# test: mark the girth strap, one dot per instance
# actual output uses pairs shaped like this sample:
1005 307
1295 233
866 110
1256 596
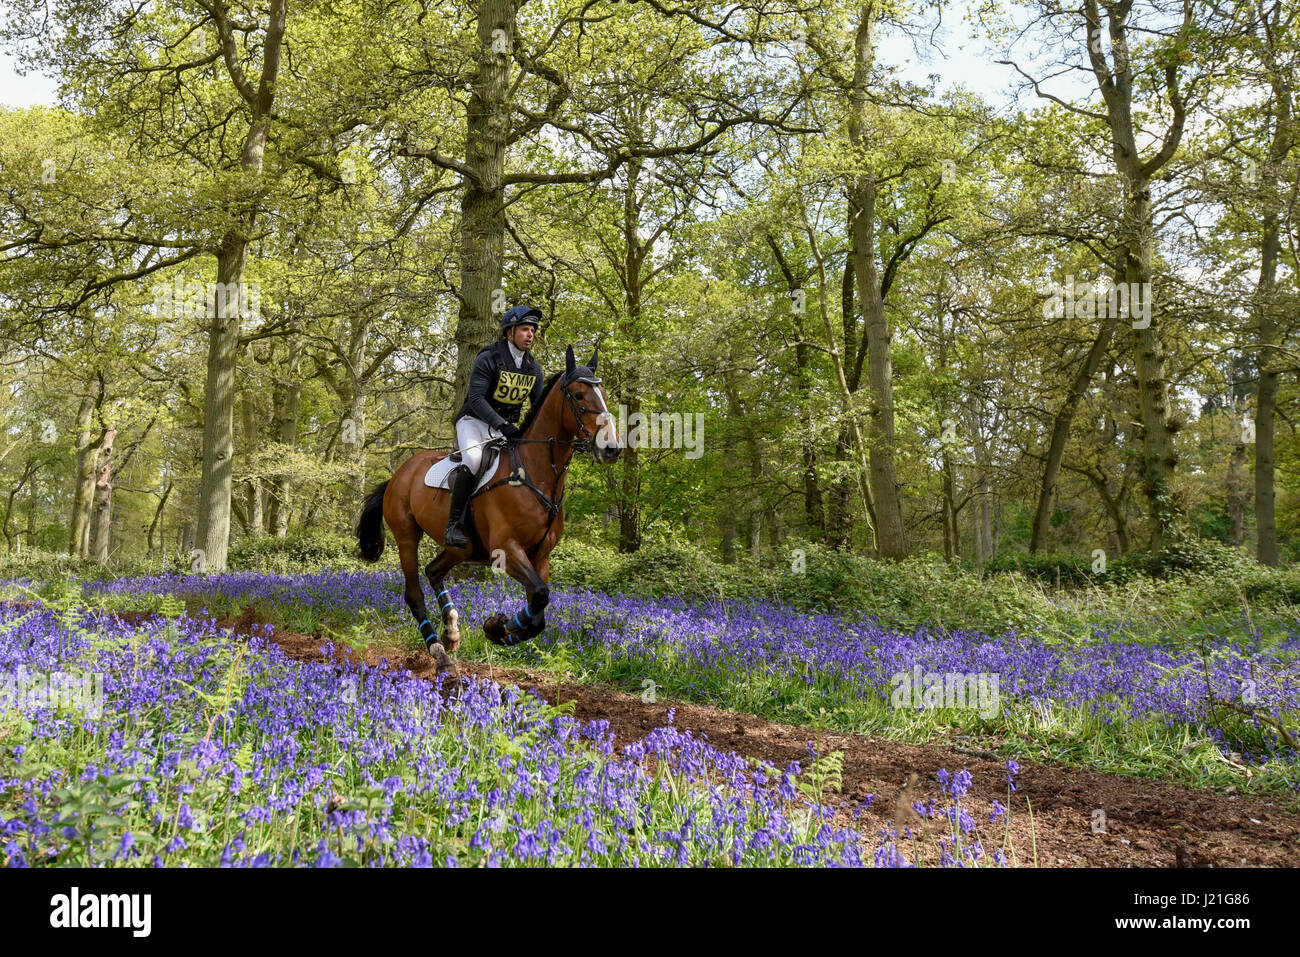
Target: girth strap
519 476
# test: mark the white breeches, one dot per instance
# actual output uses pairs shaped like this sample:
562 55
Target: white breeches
470 432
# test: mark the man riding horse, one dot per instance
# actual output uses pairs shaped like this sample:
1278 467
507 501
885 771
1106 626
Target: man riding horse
505 373
518 515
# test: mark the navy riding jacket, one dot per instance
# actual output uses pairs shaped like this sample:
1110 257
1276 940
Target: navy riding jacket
497 389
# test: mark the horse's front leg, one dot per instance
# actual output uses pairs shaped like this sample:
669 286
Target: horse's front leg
528 621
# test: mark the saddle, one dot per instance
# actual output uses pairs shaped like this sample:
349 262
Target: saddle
438 475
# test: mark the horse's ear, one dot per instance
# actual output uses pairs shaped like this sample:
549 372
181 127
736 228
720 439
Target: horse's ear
568 362
591 363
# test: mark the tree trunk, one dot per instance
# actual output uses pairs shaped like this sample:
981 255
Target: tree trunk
157 518
482 216
1114 504
359 386
634 257
629 511
224 331
839 498
29 473
728 537
754 453
83 488
1266 405
1266 392
891 541
984 548
983 511
1153 388
1061 431
814 511
1115 83
839 531
103 515
951 533
253 486
287 398
33 507
219 410
1237 487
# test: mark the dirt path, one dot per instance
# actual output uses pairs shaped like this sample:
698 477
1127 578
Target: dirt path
1147 823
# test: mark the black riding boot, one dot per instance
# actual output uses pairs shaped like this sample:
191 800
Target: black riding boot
463 485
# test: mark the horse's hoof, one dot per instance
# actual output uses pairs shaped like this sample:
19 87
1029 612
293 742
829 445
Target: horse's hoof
494 629
451 637
445 665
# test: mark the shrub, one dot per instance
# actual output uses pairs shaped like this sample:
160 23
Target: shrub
663 568
584 565
301 551
1063 570
43 565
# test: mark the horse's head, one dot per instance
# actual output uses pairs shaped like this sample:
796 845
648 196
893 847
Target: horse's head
585 412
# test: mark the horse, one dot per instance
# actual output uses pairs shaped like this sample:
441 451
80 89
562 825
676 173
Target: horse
517 516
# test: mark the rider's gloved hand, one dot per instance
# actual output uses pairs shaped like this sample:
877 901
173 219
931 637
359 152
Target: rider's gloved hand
510 431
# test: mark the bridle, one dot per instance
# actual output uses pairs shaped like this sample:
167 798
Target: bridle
582 443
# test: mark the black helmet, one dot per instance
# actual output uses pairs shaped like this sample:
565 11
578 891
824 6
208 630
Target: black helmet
520 316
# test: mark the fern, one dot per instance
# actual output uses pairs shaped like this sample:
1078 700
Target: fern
826 772
170 606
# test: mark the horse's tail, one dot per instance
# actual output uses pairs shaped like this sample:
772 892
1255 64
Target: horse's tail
370 527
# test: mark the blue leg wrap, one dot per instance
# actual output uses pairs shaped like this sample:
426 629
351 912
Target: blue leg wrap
433 632
523 632
527 613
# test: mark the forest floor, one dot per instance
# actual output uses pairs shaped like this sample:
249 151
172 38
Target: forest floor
1060 816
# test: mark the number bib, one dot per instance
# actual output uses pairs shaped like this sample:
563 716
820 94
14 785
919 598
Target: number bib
513 387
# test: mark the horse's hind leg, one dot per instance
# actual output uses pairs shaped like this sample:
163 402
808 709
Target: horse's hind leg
437 571
408 549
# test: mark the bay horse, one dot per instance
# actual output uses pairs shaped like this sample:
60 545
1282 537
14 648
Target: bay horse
517 515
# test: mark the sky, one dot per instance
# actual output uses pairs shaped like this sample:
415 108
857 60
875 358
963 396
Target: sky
958 60
27 90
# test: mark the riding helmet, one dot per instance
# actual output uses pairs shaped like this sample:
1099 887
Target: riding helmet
520 316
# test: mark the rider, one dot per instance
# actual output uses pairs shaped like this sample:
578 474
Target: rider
505 373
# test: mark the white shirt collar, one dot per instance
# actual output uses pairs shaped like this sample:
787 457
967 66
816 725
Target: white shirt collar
517 353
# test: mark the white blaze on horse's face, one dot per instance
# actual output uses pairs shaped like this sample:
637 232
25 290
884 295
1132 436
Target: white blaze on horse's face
607 434
607 444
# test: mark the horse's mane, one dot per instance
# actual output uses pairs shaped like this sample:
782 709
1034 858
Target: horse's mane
546 390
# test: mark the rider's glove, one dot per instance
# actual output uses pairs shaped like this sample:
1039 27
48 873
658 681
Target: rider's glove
509 430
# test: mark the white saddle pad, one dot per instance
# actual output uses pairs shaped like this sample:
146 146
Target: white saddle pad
436 477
